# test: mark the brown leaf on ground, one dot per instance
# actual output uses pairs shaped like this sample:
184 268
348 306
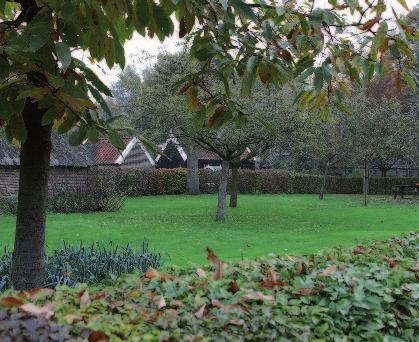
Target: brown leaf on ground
327 271
44 312
96 336
11 302
38 292
269 284
359 250
256 295
85 298
151 273
236 321
415 268
301 267
200 313
310 291
233 287
219 265
161 303
201 273
70 319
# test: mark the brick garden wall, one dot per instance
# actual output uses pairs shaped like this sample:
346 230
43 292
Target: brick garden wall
68 178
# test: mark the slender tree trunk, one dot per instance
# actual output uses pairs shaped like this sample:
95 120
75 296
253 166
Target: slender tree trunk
222 192
28 269
234 186
192 177
324 183
383 173
366 181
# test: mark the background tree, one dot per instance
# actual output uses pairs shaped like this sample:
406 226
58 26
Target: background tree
44 87
375 126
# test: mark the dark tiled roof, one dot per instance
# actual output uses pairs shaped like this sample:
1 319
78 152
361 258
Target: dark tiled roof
105 153
62 153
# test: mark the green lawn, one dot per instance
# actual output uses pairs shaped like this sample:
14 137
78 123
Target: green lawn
182 226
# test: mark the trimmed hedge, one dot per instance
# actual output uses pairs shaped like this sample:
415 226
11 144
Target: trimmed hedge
173 181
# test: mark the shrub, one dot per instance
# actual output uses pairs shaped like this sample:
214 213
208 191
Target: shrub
72 264
366 293
8 206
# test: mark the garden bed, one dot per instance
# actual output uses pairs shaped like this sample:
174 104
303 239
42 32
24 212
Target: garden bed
369 292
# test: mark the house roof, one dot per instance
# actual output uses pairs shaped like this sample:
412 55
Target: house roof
180 149
62 153
106 154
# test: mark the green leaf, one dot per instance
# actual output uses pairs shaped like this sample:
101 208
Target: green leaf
324 114
55 81
267 30
318 79
243 9
67 124
16 129
98 97
251 64
92 78
92 134
78 136
116 140
63 54
141 13
404 4
4 68
410 81
341 65
50 115
163 21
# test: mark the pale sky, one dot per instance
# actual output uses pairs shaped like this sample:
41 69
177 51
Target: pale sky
138 47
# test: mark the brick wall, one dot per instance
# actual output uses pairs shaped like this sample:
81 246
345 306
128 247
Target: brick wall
59 178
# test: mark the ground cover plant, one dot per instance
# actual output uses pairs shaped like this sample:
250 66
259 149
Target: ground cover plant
369 292
181 226
90 264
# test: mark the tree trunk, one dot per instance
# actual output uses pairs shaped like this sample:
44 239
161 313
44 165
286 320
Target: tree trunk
324 183
222 192
383 173
234 186
28 268
192 177
366 181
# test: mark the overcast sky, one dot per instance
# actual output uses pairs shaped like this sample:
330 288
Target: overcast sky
139 47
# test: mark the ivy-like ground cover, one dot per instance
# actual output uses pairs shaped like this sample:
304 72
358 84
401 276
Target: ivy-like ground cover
369 293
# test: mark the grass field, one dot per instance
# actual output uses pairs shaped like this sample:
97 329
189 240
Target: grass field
181 226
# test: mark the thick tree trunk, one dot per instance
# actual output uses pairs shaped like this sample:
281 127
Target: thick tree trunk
365 183
222 192
324 183
192 177
234 186
28 269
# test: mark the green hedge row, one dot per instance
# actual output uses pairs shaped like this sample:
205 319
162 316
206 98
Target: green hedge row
173 181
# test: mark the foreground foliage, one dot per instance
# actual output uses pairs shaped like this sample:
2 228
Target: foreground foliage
368 293
72 264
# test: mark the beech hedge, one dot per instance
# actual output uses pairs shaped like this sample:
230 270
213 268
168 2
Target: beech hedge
173 181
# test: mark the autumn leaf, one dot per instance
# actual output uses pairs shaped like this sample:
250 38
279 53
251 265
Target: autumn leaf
192 98
161 302
359 250
200 313
256 295
70 319
233 287
11 302
36 293
201 273
43 312
301 267
151 273
218 113
369 24
85 299
327 271
182 28
96 336
219 265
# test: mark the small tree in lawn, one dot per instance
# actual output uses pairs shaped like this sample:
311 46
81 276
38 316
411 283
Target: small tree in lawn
44 87
376 126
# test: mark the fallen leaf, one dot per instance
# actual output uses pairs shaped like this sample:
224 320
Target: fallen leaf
85 299
151 273
200 313
219 265
38 292
393 263
11 302
236 321
233 287
359 250
301 267
201 273
268 284
161 303
72 318
415 268
44 312
327 271
96 336
256 295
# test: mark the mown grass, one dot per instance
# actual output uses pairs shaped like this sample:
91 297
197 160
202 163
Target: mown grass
181 226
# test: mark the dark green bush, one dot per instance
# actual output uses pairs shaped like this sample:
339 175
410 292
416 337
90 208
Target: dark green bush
8 206
72 264
173 181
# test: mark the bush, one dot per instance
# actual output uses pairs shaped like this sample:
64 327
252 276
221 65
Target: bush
8 206
366 293
173 181
72 264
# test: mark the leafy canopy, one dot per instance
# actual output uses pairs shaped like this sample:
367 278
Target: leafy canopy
277 43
